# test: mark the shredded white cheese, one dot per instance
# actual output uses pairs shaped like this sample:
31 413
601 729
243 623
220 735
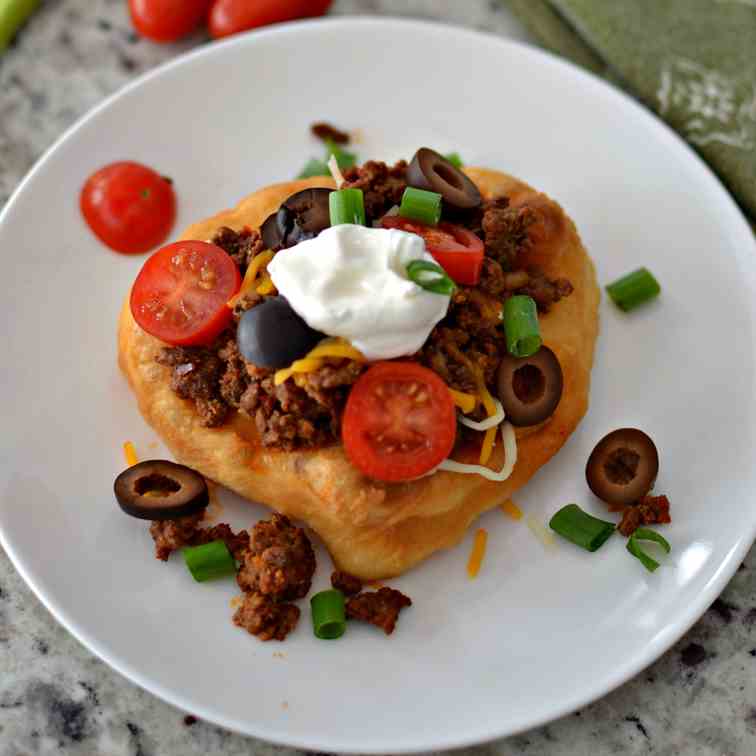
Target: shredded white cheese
510 451
537 528
338 176
489 422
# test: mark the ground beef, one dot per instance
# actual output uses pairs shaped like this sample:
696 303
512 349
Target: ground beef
279 562
650 510
505 230
545 292
348 584
328 132
261 616
196 376
468 342
170 535
241 246
380 608
382 186
236 543
235 380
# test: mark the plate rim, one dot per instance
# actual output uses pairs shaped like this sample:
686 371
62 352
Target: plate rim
273 733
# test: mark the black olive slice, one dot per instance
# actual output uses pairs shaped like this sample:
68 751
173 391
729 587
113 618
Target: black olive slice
302 216
529 387
431 171
311 214
275 228
273 335
623 466
160 490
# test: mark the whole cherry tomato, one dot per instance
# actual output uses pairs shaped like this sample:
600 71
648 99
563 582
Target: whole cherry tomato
167 20
128 206
233 16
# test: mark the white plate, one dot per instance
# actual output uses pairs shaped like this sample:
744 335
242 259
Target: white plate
540 632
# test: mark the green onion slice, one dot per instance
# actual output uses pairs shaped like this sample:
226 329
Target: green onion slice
582 529
344 158
520 319
420 205
347 206
13 14
454 159
431 277
634 289
209 561
314 167
328 614
645 534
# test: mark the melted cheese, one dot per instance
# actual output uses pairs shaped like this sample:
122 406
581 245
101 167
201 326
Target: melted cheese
466 402
316 358
249 282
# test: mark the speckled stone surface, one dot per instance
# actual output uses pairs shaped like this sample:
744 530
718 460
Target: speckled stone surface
55 697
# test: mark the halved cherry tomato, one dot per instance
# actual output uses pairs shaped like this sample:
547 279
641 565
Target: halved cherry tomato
399 421
167 20
233 16
130 207
181 292
458 251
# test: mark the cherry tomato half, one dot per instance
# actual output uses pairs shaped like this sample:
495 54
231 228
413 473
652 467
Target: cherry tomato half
233 16
458 251
181 292
167 20
129 207
399 421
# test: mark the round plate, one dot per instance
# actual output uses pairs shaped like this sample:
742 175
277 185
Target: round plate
541 631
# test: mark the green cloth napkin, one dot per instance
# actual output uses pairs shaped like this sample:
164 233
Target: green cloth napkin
693 62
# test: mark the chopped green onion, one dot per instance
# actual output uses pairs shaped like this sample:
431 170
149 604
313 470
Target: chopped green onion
420 205
634 289
645 534
520 319
344 158
347 206
582 529
13 14
328 614
431 277
454 159
314 167
209 561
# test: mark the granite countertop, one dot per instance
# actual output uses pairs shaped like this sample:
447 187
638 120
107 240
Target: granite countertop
55 697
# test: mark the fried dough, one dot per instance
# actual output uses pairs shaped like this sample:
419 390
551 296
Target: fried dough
375 530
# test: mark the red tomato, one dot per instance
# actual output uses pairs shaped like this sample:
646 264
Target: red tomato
181 292
458 251
167 20
233 16
128 206
399 421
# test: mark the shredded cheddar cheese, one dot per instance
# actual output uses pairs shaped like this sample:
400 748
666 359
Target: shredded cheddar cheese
316 358
250 277
539 531
511 509
490 437
466 402
266 286
129 452
477 553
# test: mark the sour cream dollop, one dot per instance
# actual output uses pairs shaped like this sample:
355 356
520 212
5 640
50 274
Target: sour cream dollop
351 281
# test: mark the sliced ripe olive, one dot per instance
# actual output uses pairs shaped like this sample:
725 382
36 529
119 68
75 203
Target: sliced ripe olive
273 231
431 171
623 466
272 335
160 490
530 387
302 216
